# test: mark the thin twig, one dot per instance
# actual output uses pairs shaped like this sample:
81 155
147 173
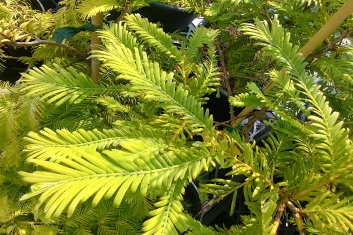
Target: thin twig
5 36
225 123
314 187
96 20
124 11
329 46
226 77
8 57
297 215
278 217
38 42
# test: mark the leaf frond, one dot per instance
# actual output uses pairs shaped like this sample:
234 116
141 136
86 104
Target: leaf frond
152 35
91 8
40 145
147 78
329 212
330 138
168 217
97 171
57 85
118 32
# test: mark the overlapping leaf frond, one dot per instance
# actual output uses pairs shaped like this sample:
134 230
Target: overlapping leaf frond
222 10
244 100
152 35
118 32
173 125
126 219
8 114
90 8
201 52
205 81
256 165
262 208
330 213
201 39
153 152
26 27
115 105
18 115
252 171
168 217
82 172
156 85
58 85
84 115
321 149
338 70
47 142
194 6
276 43
278 4
330 138
263 211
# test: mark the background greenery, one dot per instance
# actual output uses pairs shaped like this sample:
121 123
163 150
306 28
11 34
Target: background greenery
113 157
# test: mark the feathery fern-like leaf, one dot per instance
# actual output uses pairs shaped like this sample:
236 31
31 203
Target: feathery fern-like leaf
156 85
133 164
244 100
330 213
89 8
205 81
152 35
58 85
331 139
118 32
201 37
47 142
168 217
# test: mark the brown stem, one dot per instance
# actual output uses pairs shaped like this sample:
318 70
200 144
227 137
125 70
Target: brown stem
10 57
297 216
124 11
314 187
299 222
96 20
308 48
222 123
330 45
37 42
226 77
278 217
5 36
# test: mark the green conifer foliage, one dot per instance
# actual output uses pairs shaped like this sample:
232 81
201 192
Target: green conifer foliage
114 157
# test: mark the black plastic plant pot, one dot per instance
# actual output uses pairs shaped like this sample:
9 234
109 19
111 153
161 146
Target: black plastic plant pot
172 18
